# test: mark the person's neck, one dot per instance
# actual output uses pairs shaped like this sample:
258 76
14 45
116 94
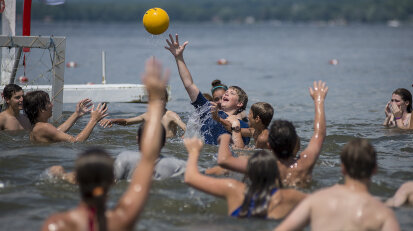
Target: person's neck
42 118
13 111
230 111
258 129
356 185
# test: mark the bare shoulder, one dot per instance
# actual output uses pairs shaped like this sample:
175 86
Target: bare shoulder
60 222
171 114
43 127
293 195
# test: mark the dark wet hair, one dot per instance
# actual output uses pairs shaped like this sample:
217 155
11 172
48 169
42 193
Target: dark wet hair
10 89
140 133
261 178
242 97
359 159
207 96
264 110
33 103
282 138
406 96
216 84
94 173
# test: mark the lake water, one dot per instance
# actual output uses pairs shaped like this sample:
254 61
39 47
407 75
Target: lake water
272 63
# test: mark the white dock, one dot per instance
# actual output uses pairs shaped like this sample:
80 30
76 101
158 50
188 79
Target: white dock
73 93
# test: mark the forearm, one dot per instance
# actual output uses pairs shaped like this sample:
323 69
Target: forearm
186 78
85 133
237 139
319 121
64 127
151 141
192 171
122 122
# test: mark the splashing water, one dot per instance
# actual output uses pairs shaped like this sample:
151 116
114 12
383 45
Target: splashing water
196 120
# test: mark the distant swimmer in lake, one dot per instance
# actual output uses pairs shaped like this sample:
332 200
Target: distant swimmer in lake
234 100
126 161
399 110
170 120
347 206
94 173
295 170
11 119
260 195
38 108
403 196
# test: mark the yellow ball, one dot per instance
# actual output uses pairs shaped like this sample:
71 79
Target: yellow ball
156 21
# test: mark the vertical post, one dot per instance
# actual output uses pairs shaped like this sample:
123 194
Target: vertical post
8 25
27 14
103 67
58 80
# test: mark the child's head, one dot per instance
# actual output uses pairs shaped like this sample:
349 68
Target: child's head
218 90
359 159
283 139
35 102
263 111
242 100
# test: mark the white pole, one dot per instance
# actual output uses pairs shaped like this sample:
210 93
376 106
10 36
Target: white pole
8 24
103 68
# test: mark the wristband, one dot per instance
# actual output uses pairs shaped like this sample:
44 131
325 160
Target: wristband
397 118
236 129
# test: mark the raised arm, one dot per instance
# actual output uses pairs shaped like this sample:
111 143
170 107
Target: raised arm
82 108
220 187
318 93
178 52
133 200
134 120
177 120
225 158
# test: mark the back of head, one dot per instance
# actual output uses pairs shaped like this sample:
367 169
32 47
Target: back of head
11 89
216 84
264 110
406 96
33 103
359 159
94 173
261 178
242 98
140 133
282 138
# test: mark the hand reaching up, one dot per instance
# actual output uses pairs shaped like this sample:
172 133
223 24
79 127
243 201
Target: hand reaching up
154 82
174 47
99 113
319 92
193 145
83 107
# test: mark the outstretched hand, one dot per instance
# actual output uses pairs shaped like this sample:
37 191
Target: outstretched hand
106 123
155 82
99 113
174 47
193 145
319 92
83 106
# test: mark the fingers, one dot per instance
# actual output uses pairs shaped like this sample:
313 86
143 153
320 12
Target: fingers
176 39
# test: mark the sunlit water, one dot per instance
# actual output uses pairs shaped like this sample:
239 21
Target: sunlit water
275 64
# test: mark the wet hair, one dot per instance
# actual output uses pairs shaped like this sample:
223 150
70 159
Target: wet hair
406 96
264 110
242 97
282 138
359 159
140 133
261 178
216 84
10 89
94 173
33 103
207 96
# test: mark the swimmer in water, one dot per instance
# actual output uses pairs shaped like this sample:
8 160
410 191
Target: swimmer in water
94 173
234 100
403 196
349 206
170 120
38 108
295 170
399 110
11 119
260 195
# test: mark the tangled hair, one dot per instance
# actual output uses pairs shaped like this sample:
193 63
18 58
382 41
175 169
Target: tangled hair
264 110
33 103
359 159
140 133
10 89
94 173
242 98
406 96
261 178
216 84
282 138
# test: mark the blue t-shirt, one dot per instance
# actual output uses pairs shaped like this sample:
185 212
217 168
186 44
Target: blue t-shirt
212 129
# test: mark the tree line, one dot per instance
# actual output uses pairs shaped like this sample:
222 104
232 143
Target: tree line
365 11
